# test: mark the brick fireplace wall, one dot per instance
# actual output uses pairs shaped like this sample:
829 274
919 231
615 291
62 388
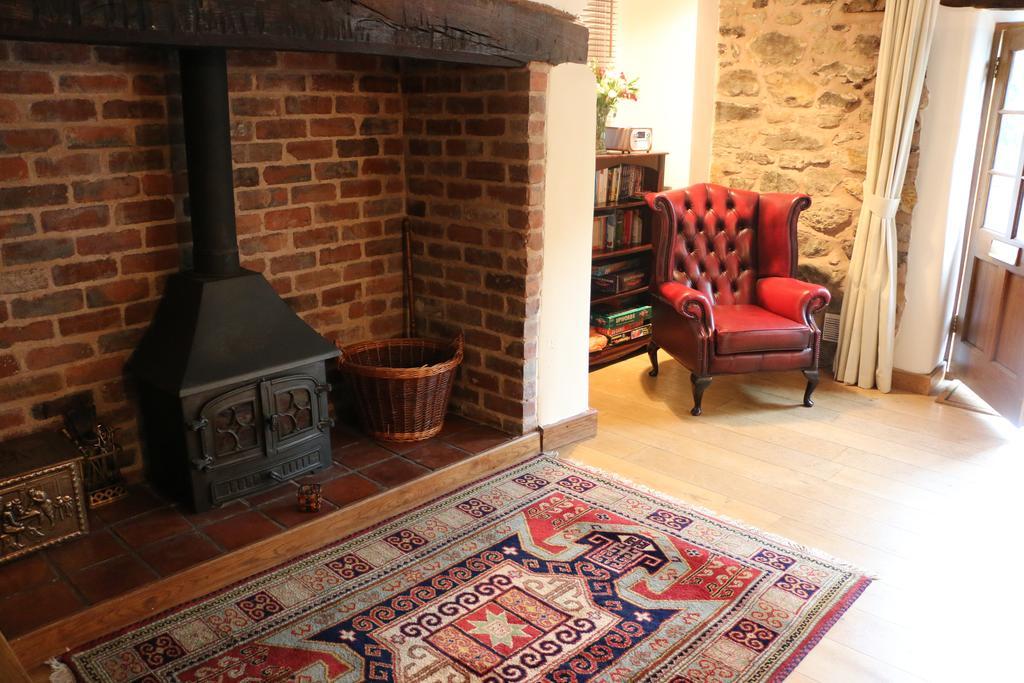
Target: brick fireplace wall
93 212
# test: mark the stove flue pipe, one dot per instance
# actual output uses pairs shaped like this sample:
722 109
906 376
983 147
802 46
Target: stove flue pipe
204 103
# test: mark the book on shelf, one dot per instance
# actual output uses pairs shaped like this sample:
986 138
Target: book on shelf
618 184
618 230
615 283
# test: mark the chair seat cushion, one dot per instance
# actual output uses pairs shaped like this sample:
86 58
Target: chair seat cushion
743 328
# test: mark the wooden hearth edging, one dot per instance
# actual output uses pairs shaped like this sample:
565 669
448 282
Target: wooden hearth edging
495 32
32 649
569 431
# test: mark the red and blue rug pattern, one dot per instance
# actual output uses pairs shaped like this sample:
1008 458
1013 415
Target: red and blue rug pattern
543 572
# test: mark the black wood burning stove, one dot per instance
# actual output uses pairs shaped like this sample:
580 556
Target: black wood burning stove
231 382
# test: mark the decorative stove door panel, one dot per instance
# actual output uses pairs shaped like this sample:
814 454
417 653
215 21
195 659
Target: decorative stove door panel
231 428
295 410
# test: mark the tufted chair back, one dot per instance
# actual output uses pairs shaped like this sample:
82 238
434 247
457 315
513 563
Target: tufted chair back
709 237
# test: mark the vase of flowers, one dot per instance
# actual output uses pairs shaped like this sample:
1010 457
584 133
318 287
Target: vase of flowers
611 89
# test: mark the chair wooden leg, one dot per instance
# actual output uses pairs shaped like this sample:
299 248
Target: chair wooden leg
652 353
699 385
812 383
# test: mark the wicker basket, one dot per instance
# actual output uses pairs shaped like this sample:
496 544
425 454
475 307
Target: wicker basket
402 386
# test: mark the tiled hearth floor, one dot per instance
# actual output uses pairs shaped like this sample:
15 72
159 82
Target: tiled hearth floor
143 536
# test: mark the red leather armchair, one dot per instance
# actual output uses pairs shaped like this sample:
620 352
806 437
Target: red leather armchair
725 297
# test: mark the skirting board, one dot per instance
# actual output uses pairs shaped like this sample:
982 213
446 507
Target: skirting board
568 431
916 383
35 647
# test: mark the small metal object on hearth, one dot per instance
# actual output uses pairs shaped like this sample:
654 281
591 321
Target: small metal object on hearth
42 499
310 498
100 451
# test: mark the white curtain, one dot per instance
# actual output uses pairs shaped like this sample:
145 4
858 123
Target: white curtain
867 330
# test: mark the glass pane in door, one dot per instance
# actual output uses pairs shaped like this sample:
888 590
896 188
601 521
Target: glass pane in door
1008 145
1002 195
1014 99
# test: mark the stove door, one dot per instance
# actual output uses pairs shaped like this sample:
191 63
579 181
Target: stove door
295 411
233 428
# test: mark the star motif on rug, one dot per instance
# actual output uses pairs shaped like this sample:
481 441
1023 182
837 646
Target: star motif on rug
642 616
510 551
498 629
349 636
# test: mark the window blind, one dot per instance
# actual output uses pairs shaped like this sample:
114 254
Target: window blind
599 17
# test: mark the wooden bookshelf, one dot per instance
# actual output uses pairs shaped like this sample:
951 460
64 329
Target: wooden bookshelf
653 180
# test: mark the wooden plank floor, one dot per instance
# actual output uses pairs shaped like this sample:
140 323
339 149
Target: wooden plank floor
927 497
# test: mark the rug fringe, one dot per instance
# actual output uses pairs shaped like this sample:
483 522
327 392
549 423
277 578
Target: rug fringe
775 538
60 672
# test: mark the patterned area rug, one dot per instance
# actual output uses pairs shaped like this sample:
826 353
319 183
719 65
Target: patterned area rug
542 572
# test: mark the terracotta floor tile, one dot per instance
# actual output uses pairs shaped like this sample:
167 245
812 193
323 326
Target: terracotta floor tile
217 514
111 578
345 435
235 532
326 474
31 609
152 527
348 489
24 573
394 472
178 553
403 447
80 553
270 494
477 439
454 424
436 455
361 454
285 511
138 501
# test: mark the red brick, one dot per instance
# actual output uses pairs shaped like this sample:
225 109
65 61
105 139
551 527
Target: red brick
106 189
121 340
287 219
62 110
52 53
9 111
13 168
73 273
381 166
340 295
8 366
509 194
464 190
356 104
335 127
373 83
359 188
267 82
308 104
256 106
332 82
296 173
11 419
82 163
256 152
339 254
360 147
84 218
133 109
118 292
167 234
310 149
262 244
280 128
246 177
47 357
331 170
488 127
37 331
158 184
151 262
91 137
292 262
16 225
362 269
464 105
252 58
261 199
141 312
94 371
137 160
109 242
21 140
25 82
485 170
508 104
93 83
145 211
313 193
33 251
337 212
95 321
303 239
317 279
30 386
444 127
376 125
47 304
306 60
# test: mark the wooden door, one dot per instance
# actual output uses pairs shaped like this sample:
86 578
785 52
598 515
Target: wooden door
988 351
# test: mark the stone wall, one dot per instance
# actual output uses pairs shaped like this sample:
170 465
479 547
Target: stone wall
793 112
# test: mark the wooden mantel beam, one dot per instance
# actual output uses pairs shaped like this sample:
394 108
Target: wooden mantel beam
501 32
984 4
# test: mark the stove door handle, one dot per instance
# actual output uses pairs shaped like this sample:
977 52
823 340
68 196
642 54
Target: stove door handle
199 427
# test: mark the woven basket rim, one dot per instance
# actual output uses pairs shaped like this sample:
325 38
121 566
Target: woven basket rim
382 372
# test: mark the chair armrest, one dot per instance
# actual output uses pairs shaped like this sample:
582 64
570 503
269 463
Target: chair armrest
686 301
791 298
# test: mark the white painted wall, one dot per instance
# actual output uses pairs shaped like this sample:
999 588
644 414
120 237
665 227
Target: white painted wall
949 136
670 45
568 212
570 6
